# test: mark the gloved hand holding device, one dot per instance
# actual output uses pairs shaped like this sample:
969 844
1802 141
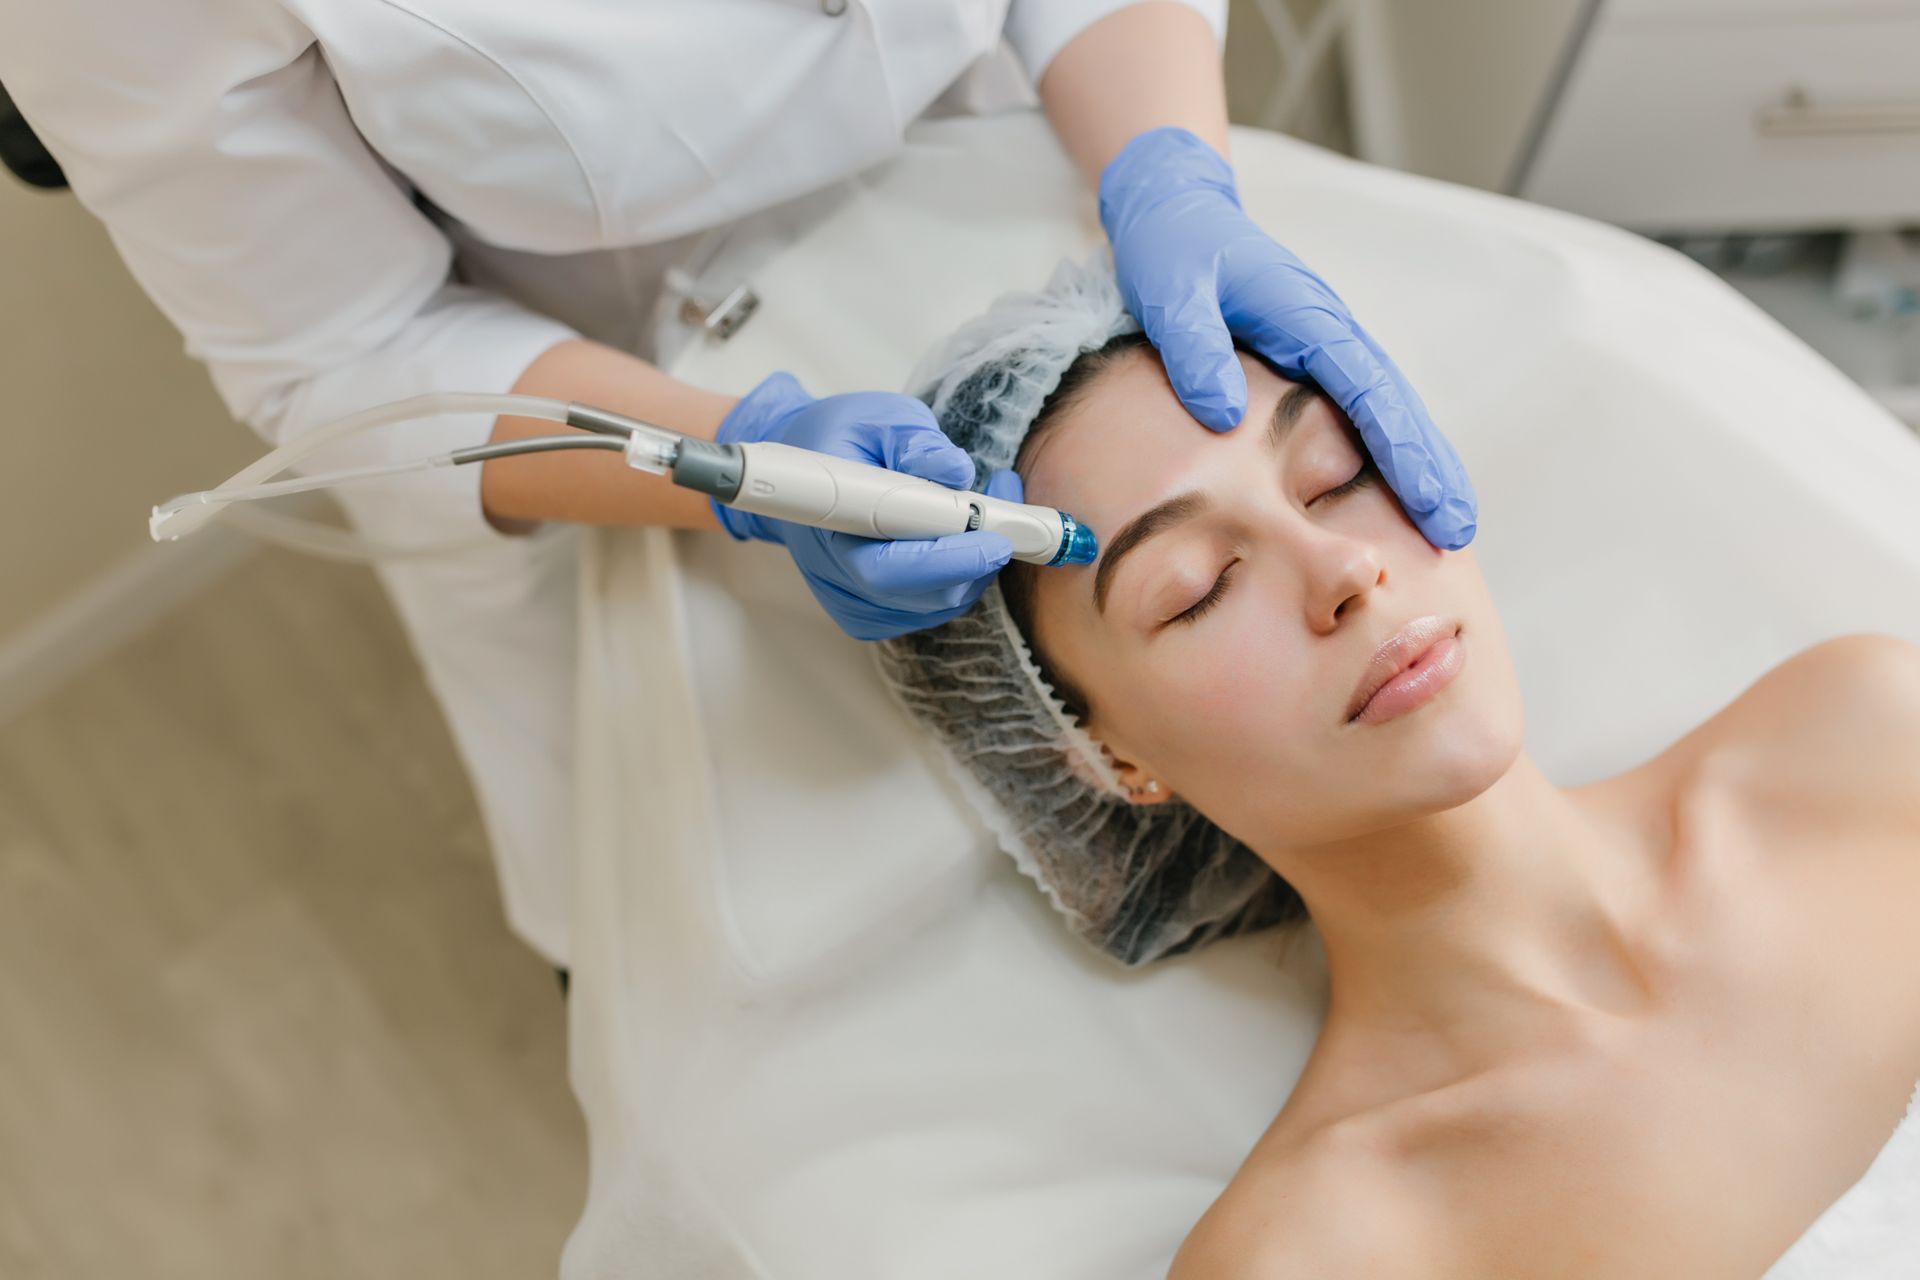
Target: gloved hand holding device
874 589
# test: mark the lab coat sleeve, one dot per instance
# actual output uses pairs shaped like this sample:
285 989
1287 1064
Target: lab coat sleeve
1040 29
211 140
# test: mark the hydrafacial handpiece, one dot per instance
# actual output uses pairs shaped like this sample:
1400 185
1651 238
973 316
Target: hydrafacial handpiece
767 479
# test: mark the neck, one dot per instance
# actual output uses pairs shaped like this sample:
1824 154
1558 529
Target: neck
1487 927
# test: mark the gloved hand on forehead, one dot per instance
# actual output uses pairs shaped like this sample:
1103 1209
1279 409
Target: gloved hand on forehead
1197 273
874 588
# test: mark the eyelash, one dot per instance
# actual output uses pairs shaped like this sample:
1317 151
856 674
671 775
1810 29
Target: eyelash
1366 475
1199 608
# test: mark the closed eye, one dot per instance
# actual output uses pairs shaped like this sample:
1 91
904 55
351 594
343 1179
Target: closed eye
1368 474
1199 608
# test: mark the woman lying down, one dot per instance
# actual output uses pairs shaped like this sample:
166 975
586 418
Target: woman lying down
1573 1031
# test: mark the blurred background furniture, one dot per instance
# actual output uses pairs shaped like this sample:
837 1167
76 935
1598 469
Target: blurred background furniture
1775 141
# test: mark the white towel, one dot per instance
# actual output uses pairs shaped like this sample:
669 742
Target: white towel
1873 1231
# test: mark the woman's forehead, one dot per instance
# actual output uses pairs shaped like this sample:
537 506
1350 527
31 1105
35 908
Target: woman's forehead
1127 434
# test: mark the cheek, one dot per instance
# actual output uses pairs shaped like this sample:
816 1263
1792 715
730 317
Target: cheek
1245 676
1219 710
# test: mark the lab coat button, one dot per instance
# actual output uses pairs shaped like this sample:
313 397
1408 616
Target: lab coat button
833 8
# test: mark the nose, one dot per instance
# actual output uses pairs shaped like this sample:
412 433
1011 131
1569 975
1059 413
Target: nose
1341 575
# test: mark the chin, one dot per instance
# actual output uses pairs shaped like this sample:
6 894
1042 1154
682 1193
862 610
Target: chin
1456 746
1470 763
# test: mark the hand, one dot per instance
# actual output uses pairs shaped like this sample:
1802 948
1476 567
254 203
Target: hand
1197 273
874 588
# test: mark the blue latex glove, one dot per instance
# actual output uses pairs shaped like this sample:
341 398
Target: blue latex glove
873 587
1197 273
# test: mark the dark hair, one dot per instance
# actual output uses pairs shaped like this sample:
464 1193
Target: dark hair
1018 579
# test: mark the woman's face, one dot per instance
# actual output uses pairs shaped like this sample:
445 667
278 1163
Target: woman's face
1219 654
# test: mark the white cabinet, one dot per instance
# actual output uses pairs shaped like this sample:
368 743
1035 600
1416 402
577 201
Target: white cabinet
1679 115
1662 115
1675 118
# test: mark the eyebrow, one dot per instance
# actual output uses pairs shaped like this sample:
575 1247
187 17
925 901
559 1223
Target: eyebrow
1183 507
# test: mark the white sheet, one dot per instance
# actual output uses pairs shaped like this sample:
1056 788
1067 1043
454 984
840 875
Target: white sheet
821 1028
1873 1231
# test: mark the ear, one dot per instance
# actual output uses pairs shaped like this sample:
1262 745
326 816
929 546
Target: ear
1141 788
1141 780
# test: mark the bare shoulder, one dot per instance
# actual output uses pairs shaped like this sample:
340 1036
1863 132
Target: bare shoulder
1319 1211
1883 669
1836 727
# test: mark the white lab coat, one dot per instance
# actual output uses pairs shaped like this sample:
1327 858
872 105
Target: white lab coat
344 202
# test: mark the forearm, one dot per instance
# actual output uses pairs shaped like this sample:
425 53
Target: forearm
593 486
1145 66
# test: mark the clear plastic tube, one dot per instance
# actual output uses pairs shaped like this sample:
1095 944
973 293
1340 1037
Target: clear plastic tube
183 515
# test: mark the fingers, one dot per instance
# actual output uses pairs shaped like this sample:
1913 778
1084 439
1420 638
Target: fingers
1398 439
1007 486
909 584
755 415
779 386
1416 460
1451 525
888 430
913 443
1198 353
926 452
916 567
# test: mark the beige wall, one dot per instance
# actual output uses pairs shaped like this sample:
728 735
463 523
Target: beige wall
104 414
1468 76
1252 65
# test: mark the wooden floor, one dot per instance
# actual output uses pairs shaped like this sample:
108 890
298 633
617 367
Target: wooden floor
259 1013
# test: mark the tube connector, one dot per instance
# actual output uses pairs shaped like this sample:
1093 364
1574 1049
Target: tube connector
709 468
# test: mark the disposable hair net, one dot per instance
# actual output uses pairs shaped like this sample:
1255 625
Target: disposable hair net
1139 882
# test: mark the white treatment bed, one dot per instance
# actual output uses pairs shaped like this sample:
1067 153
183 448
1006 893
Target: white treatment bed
821 1026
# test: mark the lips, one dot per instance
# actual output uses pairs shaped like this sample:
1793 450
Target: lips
1399 652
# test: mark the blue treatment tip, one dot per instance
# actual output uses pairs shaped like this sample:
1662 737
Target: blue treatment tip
1076 543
